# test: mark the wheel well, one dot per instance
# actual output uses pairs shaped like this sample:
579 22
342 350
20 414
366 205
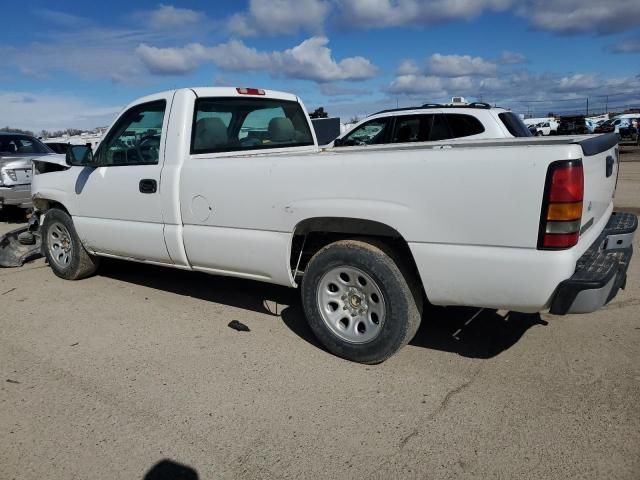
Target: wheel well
43 205
313 234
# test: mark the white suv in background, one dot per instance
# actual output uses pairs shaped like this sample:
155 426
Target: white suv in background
434 122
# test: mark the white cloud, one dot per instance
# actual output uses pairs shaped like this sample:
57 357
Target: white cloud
57 17
333 90
511 58
171 61
522 89
578 82
274 17
408 67
630 45
460 65
395 13
310 60
413 84
168 16
88 52
44 111
559 16
581 16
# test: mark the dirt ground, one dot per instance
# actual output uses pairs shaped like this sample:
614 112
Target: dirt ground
134 374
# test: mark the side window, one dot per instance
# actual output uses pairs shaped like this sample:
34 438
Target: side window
516 127
135 138
371 133
464 125
26 146
247 123
415 128
440 128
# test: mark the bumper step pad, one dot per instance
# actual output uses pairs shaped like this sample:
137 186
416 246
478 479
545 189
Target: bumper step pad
601 272
620 230
621 222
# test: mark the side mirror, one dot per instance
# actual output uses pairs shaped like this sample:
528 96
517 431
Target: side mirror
80 156
338 142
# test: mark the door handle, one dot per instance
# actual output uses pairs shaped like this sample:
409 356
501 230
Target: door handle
609 167
148 185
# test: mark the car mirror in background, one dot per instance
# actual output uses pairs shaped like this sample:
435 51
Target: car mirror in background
338 142
80 156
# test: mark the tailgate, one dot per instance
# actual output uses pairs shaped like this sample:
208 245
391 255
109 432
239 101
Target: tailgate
600 162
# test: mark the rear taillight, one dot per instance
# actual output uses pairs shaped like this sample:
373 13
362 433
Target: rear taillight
562 206
250 91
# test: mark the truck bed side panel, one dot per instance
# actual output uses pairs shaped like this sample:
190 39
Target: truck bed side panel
450 197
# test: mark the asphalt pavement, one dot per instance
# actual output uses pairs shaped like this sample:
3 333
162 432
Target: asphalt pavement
135 374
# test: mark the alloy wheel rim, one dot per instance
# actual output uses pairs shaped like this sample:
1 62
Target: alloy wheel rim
351 304
60 245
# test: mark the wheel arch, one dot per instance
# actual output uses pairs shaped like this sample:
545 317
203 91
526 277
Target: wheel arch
312 234
45 204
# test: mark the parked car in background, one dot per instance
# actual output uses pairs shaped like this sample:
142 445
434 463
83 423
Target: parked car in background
593 122
16 152
572 125
434 122
622 121
547 128
630 130
605 127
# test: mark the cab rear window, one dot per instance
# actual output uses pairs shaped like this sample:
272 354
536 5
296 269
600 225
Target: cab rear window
238 124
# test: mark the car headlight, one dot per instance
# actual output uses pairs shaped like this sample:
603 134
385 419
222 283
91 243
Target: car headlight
11 174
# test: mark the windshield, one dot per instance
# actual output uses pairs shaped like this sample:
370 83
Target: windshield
22 144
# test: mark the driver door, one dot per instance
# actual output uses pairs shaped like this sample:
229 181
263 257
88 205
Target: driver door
119 206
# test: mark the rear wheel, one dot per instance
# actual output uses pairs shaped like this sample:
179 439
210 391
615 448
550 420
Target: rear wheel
63 249
361 304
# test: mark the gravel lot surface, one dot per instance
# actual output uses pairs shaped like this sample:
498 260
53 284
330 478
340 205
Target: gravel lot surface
135 374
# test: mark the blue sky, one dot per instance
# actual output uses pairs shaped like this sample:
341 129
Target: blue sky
76 64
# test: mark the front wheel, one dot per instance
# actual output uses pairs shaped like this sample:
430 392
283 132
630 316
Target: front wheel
63 249
361 304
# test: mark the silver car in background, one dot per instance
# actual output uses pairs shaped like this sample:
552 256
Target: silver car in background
16 152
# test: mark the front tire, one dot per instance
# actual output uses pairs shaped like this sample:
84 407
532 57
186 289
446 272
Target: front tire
361 303
63 249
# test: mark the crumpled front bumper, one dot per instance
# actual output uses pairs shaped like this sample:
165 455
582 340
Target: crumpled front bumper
601 272
19 195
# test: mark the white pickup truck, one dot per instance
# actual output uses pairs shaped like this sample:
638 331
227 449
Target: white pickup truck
231 182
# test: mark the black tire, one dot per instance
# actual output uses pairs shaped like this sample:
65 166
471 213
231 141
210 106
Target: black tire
396 281
81 263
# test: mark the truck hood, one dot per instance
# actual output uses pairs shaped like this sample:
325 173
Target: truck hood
13 162
24 159
55 158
